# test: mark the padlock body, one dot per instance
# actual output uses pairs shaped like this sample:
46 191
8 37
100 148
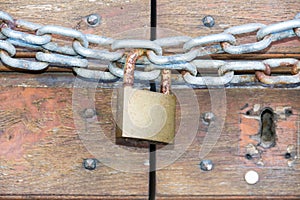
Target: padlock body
146 115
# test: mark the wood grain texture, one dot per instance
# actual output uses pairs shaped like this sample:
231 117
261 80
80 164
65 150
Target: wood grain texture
117 16
41 152
185 17
119 19
184 177
42 146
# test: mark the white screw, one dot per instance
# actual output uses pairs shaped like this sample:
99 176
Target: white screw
251 177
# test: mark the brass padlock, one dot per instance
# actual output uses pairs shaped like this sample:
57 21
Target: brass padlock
142 114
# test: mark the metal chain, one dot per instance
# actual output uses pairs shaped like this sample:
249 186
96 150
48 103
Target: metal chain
20 33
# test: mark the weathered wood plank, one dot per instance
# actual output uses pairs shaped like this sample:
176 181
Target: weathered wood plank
117 16
185 17
119 19
41 152
42 146
184 176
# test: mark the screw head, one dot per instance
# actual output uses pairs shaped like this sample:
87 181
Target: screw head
90 163
251 177
93 19
89 113
208 117
208 21
206 165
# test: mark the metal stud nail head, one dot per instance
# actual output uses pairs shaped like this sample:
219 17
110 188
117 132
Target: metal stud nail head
208 117
93 19
208 21
90 163
206 165
89 113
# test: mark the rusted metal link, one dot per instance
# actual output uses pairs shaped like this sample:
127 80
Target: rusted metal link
165 86
130 66
268 70
284 62
262 77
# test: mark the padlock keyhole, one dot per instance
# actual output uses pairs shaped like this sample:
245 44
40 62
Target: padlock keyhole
267 129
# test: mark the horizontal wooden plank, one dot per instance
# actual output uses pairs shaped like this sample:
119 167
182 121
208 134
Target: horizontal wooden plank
44 141
184 176
119 19
185 18
115 15
42 153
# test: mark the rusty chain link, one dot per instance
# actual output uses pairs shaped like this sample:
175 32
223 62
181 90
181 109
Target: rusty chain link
22 34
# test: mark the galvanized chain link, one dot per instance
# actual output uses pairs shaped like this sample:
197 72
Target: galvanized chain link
20 33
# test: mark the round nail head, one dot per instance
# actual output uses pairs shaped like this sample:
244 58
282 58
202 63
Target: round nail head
90 163
89 113
251 177
93 20
206 165
208 21
208 117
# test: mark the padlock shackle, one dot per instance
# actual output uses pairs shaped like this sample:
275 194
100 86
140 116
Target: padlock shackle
165 86
130 66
